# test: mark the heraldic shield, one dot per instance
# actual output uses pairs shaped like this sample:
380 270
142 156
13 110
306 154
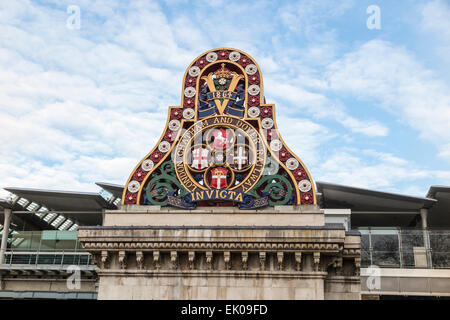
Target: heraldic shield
221 146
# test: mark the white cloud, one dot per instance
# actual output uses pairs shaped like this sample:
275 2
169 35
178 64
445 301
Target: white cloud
436 23
318 106
379 170
309 16
435 17
74 111
78 106
378 70
304 137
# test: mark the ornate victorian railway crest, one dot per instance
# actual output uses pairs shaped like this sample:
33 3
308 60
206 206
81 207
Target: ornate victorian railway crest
221 146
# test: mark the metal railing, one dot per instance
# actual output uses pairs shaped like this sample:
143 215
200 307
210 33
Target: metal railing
405 248
48 257
46 247
44 241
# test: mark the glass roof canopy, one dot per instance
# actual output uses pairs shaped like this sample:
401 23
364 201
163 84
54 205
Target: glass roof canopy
58 210
62 210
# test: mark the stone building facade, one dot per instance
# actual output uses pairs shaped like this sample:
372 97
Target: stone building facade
221 208
166 255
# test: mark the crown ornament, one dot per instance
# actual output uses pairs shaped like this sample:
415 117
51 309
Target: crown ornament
223 72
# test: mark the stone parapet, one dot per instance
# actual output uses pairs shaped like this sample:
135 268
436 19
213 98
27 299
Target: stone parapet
305 215
294 255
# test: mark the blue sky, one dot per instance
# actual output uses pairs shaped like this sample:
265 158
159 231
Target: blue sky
361 107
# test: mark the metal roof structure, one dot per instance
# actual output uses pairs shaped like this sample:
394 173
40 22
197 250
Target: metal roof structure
63 200
36 209
435 190
358 199
114 189
375 208
5 204
440 214
23 220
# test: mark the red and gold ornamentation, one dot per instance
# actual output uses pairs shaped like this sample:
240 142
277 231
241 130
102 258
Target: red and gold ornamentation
254 79
130 198
176 113
139 175
253 101
299 174
284 155
223 54
189 103
266 112
244 61
201 63
169 136
219 138
156 156
307 198
190 82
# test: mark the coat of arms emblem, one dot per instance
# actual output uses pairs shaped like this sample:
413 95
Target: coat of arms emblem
221 144
219 178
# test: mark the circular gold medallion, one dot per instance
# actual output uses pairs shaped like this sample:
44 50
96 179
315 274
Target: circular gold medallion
220 152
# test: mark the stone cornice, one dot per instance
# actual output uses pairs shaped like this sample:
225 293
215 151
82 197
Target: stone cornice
161 250
204 246
231 239
214 273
